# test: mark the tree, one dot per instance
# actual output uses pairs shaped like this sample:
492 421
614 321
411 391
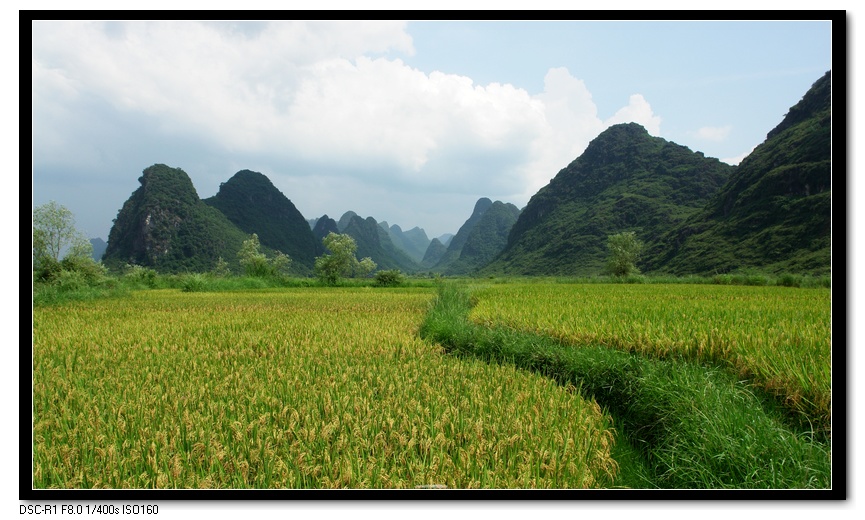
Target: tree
625 250
256 263
341 261
54 233
364 267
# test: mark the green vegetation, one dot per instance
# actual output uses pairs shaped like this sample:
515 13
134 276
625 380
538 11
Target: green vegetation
777 338
256 263
485 239
341 262
775 212
252 203
165 226
482 237
375 243
626 180
625 251
63 266
693 426
391 278
54 234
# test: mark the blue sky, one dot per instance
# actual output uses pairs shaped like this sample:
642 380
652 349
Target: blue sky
407 122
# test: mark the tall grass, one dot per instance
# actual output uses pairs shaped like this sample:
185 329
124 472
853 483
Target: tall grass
696 426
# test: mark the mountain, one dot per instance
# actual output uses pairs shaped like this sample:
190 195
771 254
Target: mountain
446 239
343 221
456 244
165 226
486 239
479 239
625 180
774 214
374 242
414 241
255 205
434 253
99 246
323 227
312 222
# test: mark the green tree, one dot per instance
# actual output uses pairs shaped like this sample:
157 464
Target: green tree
54 233
256 263
625 250
341 262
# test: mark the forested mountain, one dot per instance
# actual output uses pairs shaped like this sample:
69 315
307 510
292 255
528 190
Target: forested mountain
414 241
695 214
374 242
164 225
343 221
486 239
479 239
434 253
323 227
255 205
774 214
446 239
626 180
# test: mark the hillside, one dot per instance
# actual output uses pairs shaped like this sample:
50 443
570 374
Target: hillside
323 227
165 226
255 205
626 180
434 253
486 239
774 214
414 242
374 242
455 246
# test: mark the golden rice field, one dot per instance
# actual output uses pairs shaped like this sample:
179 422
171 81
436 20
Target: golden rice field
780 337
293 388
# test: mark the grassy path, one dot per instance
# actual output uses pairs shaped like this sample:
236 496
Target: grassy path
693 426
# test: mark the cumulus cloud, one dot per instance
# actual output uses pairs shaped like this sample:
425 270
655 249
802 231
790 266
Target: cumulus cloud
639 111
315 100
572 121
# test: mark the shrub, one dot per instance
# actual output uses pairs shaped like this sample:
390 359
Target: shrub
140 275
193 283
389 278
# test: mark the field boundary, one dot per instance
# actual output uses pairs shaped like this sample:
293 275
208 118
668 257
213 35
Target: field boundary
695 426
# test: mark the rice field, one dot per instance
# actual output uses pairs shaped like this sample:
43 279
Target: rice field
292 388
779 337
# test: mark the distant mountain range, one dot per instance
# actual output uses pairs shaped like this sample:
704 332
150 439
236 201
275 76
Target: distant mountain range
695 214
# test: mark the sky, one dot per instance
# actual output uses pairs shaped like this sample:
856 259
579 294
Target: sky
408 122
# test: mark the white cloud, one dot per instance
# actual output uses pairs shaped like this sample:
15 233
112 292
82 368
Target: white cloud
572 121
323 99
714 133
639 111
